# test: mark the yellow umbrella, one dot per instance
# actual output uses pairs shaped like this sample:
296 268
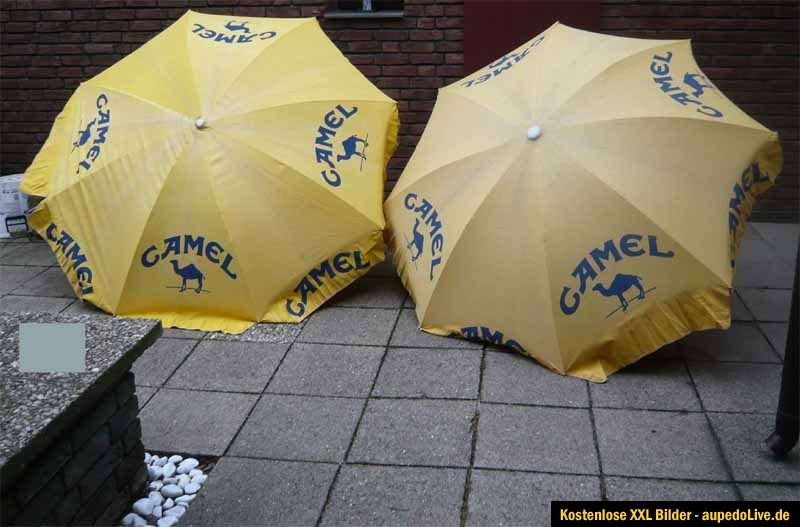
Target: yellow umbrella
229 171
581 200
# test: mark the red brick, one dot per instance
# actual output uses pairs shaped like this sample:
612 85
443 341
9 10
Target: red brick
23 16
417 47
399 71
452 70
145 25
426 23
391 58
390 47
102 36
390 34
426 58
363 46
426 34
57 15
19 27
98 48
450 22
120 14
152 13
392 82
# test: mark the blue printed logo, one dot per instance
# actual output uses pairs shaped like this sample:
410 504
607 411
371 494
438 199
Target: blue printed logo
93 133
427 224
488 335
695 84
502 64
64 243
628 246
342 263
330 151
177 249
741 200
237 33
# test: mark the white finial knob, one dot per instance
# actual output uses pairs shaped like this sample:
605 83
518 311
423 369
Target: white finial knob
534 132
200 123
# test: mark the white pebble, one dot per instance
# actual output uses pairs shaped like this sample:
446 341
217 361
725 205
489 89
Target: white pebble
168 504
176 511
187 465
170 481
160 462
191 488
154 472
195 472
169 470
156 497
175 459
147 458
155 485
186 499
133 519
167 521
157 512
171 491
183 480
200 479
143 506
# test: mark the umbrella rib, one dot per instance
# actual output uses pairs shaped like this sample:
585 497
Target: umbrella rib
137 97
763 130
285 105
462 95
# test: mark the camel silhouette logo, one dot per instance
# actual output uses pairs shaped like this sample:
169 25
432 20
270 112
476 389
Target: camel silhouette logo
619 286
240 26
84 135
418 242
186 273
350 147
698 82
428 222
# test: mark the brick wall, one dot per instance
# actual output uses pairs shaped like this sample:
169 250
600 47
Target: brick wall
748 47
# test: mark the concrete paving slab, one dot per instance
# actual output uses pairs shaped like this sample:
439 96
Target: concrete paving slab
144 394
429 373
750 233
517 498
344 325
262 332
512 378
535 438
328 369
408 334
657 444
763 492
13 277
255 492
770 305
773 273
176 333
33 304
648 385
742 438
192 422
371 292
414 432
160 360
783 237
229 366
738 310
79 307
640 489
396 496
30 254
299 428
52 282
777 333
383 269
742 342
736 387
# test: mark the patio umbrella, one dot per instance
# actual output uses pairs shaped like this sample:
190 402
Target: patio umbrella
229 171
580 200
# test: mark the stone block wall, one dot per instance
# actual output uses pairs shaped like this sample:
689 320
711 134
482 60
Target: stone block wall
90 474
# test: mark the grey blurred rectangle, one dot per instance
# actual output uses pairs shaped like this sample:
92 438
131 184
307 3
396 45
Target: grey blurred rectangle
51 348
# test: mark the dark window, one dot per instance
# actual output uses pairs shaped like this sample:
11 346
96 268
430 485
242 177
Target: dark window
364 6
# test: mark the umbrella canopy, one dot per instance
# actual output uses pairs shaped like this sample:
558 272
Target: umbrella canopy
580 199
229 171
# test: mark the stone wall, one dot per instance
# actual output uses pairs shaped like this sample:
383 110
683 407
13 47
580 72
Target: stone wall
89 474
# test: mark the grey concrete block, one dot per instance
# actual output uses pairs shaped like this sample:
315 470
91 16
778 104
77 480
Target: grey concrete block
177 333
531 438
737 387
299 428
229 366
401 496
777 333
639 489
414 432
52 282
770 305
429 373
205 421
657 444
742 438
648 384
371 292
33 304
516 498
408 334
327 369
30 254
259 492
742 342
763 492
13 277
262 332
342 325
513 378
160 360
85 456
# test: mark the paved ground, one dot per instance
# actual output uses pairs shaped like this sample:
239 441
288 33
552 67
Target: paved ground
358 418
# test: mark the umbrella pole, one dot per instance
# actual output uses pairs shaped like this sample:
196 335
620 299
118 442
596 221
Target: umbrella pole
784 438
